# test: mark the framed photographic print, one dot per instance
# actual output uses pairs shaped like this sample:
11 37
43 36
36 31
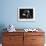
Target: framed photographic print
26 14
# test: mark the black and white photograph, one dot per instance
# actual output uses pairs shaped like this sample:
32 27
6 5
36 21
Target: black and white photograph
26 14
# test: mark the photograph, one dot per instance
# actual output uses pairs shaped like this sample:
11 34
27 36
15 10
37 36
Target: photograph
26 14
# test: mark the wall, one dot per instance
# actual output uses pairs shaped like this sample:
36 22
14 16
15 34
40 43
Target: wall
9 13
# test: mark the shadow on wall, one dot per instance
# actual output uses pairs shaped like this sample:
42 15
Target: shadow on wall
2 26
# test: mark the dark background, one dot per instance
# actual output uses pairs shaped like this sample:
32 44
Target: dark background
30 15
